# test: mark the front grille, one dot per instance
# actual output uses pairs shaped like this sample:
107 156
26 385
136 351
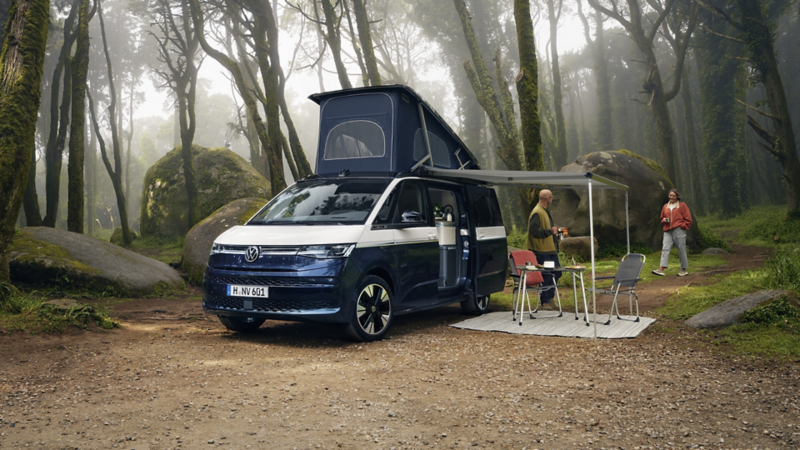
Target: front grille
267 304
273 281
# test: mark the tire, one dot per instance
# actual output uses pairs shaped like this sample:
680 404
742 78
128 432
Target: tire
372 313
241 324
476 305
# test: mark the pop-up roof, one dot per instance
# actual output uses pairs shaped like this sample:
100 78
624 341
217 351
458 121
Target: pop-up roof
381 129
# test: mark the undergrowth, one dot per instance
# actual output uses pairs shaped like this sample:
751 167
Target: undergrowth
32 313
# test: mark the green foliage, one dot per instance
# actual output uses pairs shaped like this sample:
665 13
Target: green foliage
693 299
517 238
33 314
778 310
783 269
770 226
707 238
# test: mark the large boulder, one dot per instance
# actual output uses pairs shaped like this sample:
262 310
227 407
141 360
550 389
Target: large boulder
578 246
648 191
200 238
222 176
50 256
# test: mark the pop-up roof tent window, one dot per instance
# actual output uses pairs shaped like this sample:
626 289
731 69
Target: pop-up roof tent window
383 129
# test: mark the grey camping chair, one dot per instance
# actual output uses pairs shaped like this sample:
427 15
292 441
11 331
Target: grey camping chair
628 273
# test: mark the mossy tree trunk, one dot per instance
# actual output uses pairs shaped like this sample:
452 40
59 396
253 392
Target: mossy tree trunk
30 201
21 64
528 87
80 68
758 33
115 173
653 85
364 35
178 45
497 109
553 15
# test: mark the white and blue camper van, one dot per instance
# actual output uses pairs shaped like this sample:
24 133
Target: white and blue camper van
373 234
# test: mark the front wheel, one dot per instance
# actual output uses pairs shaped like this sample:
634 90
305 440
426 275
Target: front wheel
241 324
476 305
372 314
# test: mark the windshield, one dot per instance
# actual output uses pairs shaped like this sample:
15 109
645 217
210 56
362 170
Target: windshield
323 202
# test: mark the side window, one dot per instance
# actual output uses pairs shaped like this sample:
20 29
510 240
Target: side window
407 196
441 156
355 139
487 210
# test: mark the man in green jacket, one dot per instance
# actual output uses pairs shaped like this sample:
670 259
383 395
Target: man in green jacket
543 240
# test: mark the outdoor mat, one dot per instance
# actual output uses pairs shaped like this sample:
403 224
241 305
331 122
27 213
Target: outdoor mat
566 325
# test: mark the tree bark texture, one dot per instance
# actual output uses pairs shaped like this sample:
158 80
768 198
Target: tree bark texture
80 68
21 64
604 139
528 87
30 201
553 13
332 24
505 127
364 35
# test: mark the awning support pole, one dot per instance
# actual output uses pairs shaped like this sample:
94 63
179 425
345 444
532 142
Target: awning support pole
627 223
591 250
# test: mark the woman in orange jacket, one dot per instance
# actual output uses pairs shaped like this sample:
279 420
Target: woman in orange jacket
675 220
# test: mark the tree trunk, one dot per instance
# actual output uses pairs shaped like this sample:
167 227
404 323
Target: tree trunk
91 182
528 87
332 23
80 68
116 172
30 201
21 68
560 157
362 21
605 127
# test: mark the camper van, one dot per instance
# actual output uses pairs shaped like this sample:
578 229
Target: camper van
373 234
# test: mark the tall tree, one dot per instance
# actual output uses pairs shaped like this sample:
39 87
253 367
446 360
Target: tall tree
528 87
177 50
605 123
653 85
334 39
756 21
364 35
80 68
554 9
21 66
115 173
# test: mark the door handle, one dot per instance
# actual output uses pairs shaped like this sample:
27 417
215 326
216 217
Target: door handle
432 236
481 235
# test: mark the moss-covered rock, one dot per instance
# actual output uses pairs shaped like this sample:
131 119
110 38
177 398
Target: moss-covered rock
200 238
222 176
648 191
116 237
53 257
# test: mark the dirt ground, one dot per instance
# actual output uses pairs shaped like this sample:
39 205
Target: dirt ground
172 377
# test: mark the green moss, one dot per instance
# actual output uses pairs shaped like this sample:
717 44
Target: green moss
649 163
26 248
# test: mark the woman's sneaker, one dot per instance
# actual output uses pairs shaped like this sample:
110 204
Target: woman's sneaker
659 272
683 273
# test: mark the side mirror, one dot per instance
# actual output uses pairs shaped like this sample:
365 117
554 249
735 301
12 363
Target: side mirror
412 217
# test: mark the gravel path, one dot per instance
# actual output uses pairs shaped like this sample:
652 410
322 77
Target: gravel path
173 378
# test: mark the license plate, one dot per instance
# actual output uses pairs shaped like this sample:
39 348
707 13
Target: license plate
235 290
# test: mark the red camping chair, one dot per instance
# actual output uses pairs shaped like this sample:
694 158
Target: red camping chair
533 283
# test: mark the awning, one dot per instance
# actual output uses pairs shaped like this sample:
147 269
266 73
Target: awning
527 179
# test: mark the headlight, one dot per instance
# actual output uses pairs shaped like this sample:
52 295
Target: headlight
326 251
216 248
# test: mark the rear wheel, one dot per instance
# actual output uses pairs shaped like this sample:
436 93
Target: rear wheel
241 324
372 314
476 305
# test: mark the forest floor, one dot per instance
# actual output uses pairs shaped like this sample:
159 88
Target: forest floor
172 377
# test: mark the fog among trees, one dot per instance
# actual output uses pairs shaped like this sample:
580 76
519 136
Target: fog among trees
706 88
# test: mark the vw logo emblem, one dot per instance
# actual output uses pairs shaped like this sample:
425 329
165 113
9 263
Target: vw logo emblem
252 254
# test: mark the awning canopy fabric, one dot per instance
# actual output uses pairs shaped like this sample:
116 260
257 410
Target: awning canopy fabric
523 178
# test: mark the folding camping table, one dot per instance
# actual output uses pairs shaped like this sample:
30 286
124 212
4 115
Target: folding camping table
521 298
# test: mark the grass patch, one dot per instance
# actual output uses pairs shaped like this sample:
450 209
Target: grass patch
31 313
165 249
759 226
691 300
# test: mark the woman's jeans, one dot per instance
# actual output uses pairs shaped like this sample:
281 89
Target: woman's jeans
675 236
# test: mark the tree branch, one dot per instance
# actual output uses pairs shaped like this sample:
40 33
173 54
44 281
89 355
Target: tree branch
763 113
